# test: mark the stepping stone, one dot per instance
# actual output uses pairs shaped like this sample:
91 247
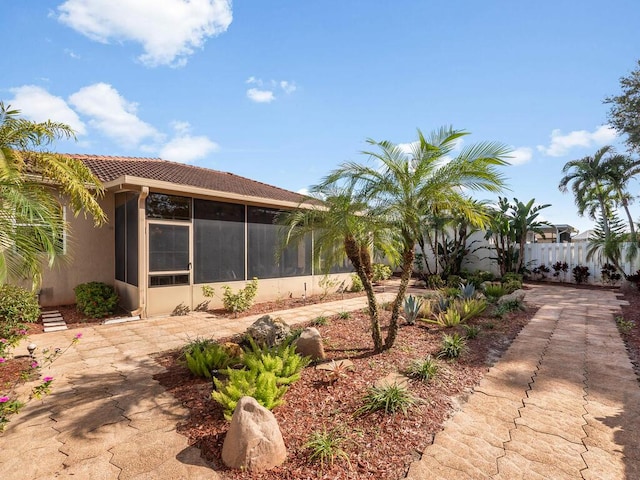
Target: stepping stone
55 324
55 329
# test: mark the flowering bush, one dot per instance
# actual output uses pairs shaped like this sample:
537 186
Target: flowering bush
17 307
9 406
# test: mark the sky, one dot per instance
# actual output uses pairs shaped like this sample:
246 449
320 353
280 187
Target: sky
283 92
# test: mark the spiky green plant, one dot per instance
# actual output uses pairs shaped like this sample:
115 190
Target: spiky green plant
412 307
469 308
453 346
424 369
390 398
326 447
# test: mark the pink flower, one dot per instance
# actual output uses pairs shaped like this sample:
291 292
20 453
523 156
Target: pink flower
22 332
78 336
34 365
47 379
4 399
2 360
4 340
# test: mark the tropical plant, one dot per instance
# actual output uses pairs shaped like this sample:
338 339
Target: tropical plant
453 346
467 291
469 308
400 187
391 398
326 447
581 274
560 268
609 274
448 318
412 308
32 221
541 271
423 370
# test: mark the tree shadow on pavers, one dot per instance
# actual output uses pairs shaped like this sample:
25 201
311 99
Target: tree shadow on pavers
93 399
626 428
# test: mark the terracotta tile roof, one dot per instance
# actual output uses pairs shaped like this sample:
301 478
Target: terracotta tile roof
108 168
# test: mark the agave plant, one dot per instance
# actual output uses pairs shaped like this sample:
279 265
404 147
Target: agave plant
412 306
467 291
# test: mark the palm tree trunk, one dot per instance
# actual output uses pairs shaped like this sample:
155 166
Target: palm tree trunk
354 254
407 261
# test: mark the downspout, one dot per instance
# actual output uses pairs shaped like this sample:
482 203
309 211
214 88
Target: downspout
142 253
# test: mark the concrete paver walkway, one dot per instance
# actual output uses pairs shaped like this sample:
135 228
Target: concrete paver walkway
106 418
562 403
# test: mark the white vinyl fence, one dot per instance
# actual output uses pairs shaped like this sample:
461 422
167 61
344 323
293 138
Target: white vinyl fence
536 254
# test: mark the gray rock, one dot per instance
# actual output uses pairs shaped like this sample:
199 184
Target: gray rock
269 331
517 295
254 441
309 344
420 284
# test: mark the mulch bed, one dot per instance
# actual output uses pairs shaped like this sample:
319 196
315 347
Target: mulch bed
378 445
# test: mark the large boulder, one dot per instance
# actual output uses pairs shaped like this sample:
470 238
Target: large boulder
309 344
269 331
254 441
517 295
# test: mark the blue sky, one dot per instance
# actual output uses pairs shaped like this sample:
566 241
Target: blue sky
284 91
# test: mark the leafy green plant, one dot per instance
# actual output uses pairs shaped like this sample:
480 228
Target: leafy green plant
260 385
469 308
356 283
435 282
320 321
241 301
511 276
281 360
494 290
390 398
454 281
450 292
412 307
96 299
449 318
625 326
381 272
471 331
424 369
581 274
512 285
17 308
453 346
508 307
206 356
344 315
467 291
326 447
326 283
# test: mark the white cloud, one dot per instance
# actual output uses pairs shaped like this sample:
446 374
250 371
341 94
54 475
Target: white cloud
185 148
71 53
112 114
168 30
520 155
36 104
561 144
288 87
260 96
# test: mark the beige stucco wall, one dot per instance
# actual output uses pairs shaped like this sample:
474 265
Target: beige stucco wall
90 257
163 300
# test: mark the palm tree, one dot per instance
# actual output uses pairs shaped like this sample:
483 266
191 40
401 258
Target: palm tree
588 179
341 226
524 219
32 181
402 186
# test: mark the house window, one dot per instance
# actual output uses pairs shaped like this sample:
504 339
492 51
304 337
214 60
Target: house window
126 233
263 246
219 241
168 207
168 247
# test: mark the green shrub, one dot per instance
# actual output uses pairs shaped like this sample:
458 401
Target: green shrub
381 272
17 307
494 290
511 276
512 285
454 281
282 361
469 308
204 356
96 299
390 398
452 346
356 283
435 282
325 447
625 326
261 386
423 370
241 301
450 292
449 318
507 307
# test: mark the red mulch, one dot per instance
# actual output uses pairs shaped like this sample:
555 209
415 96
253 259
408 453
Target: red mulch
631 339
378 445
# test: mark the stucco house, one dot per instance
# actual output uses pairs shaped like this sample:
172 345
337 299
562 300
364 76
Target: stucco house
172 229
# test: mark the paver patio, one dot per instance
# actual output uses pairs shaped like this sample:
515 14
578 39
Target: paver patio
563 402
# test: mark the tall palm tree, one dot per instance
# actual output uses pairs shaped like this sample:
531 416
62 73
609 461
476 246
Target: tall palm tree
32 182
588 179
402 186
341 225
524 219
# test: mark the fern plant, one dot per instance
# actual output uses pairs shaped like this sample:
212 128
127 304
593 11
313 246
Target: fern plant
201 362
282 361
